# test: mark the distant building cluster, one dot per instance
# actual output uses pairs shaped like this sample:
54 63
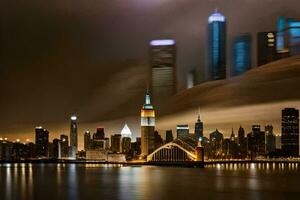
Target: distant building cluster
270 46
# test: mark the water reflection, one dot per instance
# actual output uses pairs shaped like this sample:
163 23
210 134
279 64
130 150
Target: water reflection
96 181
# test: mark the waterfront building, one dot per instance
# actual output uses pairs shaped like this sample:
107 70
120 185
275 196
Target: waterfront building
56 148
73 137
270 139
256 141
42 142
87 140
266 47
290 131
163 69
183 131
64 143
278 141
147 127
158 140
126 144
169 136
199 128
99 140
216 142
126 132
241 135
242 54
116 145
217 46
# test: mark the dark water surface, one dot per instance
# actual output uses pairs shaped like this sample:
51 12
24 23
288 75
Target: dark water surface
79 181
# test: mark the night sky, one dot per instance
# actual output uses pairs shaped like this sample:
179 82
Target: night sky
90 57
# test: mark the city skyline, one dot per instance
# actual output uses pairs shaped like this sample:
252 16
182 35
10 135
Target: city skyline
55 103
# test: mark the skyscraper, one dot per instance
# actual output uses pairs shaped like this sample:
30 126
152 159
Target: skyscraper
73 137
266 47
217 46
163 69
126 132
116 145
241 54
183 131
64 145
199 128
87 140
241 135
288 37
270 139
290 131
147 127
169 136
42 142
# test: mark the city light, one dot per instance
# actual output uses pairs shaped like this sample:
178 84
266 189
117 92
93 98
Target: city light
162 42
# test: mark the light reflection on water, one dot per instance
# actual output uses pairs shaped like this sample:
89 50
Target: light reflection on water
97 181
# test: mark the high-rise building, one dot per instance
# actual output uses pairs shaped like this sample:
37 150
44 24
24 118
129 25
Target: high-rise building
73 137
42 142
199 128
288 37
266 47
147 127
163 68
256 141
126 144
56 149
183 131
217 46
290 131
270 139
87 140
116 145
64 143
241 135
242 54
169 136
216 141
126 132
99 135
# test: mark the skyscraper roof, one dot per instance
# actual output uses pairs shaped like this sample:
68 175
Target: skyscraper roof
216 17
126 131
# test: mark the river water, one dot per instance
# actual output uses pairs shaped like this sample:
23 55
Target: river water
80 181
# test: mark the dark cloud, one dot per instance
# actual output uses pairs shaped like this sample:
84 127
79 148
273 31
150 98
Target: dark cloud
91 57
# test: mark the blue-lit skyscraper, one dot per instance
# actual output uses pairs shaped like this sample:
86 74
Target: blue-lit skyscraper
241 54
217 46
288 37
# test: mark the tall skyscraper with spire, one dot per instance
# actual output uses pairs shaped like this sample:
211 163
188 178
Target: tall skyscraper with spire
73 137
199 127
147 127
216 46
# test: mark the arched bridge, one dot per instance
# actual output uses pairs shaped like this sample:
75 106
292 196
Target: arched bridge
178 150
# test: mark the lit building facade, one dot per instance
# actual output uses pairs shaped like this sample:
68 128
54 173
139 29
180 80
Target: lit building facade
163 69
116 145
199 128
87 141
288 37
217 46
266 47
290 131
183 131
73 137
241 54
147 127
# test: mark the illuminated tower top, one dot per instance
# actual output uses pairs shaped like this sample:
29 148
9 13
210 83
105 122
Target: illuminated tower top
147 112
216 17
